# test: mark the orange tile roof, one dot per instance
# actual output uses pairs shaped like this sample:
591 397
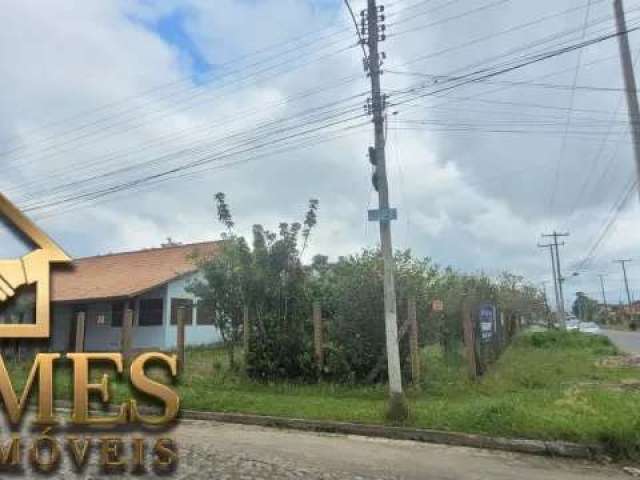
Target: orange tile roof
125 274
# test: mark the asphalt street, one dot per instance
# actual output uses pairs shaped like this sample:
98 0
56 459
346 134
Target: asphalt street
626 341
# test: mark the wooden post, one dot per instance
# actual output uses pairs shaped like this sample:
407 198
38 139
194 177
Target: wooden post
180 313
414 344
127 326
500 331
470 341
246 334
80 325
318 336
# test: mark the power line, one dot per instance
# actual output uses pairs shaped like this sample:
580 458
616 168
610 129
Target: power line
487 73
219 71
563 147
107 125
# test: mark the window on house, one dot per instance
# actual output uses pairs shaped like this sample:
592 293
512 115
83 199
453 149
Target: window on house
117 314
185 304
101 318
151 312
205 315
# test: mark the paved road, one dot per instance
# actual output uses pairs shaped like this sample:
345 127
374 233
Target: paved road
223 451
626 341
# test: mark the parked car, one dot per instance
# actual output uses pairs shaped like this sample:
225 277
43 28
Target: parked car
590 327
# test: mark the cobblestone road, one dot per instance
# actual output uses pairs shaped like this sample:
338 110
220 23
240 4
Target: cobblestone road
211 450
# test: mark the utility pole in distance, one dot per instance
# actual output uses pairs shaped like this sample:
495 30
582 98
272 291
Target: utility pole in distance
546 303
629 80
544 293
373 28
555 235
626 280
555 276
604 297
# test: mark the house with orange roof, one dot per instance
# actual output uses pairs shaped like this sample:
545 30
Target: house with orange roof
140 290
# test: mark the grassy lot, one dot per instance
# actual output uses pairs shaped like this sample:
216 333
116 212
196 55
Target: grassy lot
549 385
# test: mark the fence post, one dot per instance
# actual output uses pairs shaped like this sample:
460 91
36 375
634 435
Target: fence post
414 340
470 340
180 313
318 336
125 338
80 325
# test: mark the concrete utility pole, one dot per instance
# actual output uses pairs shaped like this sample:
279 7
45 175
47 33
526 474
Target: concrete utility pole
626 280
604 297
372 27
555 276
555 235
629 80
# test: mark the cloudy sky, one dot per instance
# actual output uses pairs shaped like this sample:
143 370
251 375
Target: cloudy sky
119 120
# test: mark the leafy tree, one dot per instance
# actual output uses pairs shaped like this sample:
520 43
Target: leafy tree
268 278
222 289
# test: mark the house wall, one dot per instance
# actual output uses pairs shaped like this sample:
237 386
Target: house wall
100 338
61 327
151 336
194 334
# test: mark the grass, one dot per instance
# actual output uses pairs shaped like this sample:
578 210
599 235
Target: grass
547 385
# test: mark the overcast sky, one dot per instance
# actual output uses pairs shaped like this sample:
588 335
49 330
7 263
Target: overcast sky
262 100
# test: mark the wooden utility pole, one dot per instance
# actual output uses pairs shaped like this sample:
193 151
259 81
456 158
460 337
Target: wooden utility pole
626 280
629 80
318 336
414 343
384 213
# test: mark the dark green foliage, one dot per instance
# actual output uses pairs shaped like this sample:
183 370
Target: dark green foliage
279 308
352 294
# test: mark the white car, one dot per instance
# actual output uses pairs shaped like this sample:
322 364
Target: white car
573 325
590 327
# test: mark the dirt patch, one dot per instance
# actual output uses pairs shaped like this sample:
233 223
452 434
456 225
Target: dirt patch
620 361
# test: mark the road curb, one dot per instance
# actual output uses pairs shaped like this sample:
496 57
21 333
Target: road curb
533 447
516 445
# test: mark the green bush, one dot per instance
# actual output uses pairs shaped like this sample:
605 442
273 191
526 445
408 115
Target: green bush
558 339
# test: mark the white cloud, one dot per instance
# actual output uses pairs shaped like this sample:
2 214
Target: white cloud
475 199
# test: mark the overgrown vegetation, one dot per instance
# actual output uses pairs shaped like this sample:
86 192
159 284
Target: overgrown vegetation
551 385
266 280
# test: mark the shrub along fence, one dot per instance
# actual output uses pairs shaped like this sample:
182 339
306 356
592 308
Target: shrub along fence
481 327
